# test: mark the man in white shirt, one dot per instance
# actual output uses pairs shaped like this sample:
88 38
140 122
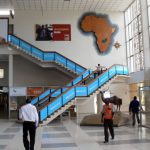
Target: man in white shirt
29 115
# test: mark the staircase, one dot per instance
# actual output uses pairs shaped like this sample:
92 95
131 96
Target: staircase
54 107
58 112
73 101
67 97
43 58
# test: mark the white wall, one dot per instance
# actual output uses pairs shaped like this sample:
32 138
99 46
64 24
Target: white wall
81 48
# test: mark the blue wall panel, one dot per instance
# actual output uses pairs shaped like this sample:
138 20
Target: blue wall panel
43 114
92 87
54 105
81 91
68 96
49 56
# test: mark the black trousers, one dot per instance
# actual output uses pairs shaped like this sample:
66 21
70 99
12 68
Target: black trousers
29 127
108 124
137 118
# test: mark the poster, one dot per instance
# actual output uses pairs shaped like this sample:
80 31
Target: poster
13 103
17 91
53 32
34 91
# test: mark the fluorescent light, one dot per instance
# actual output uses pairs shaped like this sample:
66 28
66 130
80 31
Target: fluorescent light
4 12
1 73
7 12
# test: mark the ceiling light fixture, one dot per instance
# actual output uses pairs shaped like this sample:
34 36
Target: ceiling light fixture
7 12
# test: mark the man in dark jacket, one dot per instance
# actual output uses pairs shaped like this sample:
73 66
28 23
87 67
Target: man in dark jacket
134 109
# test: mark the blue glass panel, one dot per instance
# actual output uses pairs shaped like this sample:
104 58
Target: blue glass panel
86 74
126 71
55 105
44 100
70 84
52 90
81 91
37 53
43 114
92 87
9 38
78 79
71 65
68 96
79 69
104 78
44 94
119 69
64 89
15 40
34 101
56 93
112 72
49 56
60 59
25 46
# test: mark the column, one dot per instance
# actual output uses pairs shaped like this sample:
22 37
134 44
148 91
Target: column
10 78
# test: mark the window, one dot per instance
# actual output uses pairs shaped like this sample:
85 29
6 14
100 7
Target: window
148 9
1 73
134 37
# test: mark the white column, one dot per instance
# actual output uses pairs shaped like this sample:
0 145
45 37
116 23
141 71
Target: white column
146 39
10 78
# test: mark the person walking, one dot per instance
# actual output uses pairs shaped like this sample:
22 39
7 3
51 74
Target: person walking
29 115
134 110
107 118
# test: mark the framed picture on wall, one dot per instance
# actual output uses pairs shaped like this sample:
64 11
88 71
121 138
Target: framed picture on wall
53 32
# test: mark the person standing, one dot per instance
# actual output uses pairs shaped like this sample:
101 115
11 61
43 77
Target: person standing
134 110
107 118
99 69
29 115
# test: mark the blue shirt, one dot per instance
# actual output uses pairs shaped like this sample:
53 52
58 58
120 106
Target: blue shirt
134 106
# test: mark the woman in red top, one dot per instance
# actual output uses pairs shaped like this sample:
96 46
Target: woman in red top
107 118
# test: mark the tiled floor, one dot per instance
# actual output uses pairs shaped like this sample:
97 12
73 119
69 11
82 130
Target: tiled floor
68 135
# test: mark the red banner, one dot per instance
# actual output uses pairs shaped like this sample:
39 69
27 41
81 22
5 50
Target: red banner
34 91
53 32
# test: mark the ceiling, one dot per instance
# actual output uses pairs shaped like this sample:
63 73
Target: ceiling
73 5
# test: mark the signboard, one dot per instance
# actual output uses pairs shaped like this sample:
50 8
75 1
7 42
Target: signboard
34 91
13 103
17 91
53 32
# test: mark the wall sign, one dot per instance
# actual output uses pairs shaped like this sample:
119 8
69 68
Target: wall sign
53 32
17 91
103 31
34 91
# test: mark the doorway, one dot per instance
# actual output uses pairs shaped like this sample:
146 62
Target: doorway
144 95
4 102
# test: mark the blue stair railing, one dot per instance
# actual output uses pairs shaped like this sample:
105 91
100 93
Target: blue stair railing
45 56
80 91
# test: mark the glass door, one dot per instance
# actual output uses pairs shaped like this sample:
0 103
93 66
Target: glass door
144 96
